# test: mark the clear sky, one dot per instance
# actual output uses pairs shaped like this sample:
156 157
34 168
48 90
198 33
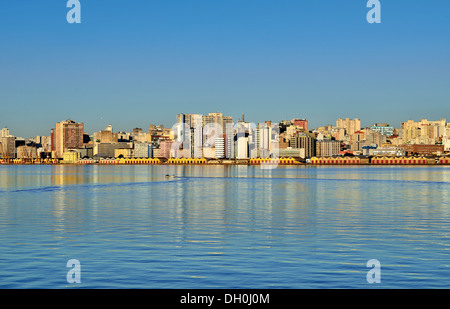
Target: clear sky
135 62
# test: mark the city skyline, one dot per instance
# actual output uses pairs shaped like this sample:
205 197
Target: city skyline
249 146
94 126
362 124
218 136
320 61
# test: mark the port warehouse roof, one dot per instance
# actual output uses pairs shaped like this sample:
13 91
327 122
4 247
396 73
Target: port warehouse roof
443 160
382 160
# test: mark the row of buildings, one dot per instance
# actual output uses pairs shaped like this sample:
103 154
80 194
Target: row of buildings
217 136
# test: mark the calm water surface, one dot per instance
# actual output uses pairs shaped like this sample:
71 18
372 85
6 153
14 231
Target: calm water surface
224 227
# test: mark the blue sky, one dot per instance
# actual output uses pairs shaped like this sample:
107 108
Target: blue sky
132 63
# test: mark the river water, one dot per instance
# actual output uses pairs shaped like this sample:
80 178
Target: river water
224 226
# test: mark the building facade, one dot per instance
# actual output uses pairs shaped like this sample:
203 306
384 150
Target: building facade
388 151
220 148
422 132
8 147
126 153
304 141
423 150
108 150
383 128
26 152
301 123
165 148
327 148
4 132
143 150
350 125
242 148
68 134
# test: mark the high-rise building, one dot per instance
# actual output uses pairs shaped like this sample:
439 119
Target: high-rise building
242 148
8 147
165 149
197 136
52 141
68 135
422 132
264 134
218 118
446 141
265 138
4 132
192 119
302 123
198 131
375 138
229 141
383 128
220 147
350 125
44 142
304 141
185 133
142 150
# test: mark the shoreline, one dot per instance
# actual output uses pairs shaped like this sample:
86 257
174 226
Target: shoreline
216 164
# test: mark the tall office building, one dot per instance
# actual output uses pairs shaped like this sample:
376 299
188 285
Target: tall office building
218 118
201 129
186 132
192 119
220 148
242 148
68 135
229 141
264 139
304 141
197 136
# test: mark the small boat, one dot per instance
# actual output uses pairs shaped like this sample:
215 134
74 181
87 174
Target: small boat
171 176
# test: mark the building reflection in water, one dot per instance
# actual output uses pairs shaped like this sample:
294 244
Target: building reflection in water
242 199
202 204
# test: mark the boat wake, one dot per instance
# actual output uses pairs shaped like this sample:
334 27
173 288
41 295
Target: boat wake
92 186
